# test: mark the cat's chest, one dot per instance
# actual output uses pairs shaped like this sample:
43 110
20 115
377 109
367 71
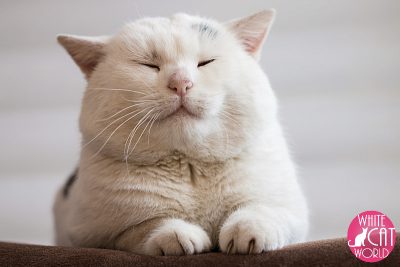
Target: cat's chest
185 172
200 192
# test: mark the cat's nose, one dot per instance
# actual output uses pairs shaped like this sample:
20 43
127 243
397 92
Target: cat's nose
180 83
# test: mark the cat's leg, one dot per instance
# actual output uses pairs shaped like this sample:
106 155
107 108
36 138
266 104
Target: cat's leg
255 229
165 237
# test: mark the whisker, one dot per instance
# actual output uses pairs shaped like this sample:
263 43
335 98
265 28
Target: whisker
113 132
122 110
228 116
147 85
129 138
116 89
235 111
226 138
141 100
127 167
132 133
140 136
151 123
108 126
155 117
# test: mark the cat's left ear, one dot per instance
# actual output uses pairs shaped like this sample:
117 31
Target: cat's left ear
85 51
253 30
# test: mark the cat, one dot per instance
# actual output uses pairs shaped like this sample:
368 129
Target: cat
360 238
182 151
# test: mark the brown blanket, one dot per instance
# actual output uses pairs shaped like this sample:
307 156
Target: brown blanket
333 252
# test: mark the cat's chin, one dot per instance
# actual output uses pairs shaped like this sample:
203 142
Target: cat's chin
180 113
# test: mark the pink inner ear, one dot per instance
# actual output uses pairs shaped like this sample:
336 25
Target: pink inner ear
253 43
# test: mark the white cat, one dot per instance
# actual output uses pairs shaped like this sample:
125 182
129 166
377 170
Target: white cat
360 239
182 150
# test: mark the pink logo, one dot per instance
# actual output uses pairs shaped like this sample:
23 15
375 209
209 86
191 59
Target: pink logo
371 236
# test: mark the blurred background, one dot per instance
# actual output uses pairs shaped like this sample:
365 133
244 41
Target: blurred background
335 66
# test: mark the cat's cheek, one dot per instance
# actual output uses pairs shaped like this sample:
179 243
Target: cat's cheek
213 105
216 106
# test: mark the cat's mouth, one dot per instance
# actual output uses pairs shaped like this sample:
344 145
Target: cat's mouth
182 108
181 111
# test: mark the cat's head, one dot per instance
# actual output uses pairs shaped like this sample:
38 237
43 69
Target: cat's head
183 83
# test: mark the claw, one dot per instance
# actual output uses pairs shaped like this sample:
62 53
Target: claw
251 246
230 246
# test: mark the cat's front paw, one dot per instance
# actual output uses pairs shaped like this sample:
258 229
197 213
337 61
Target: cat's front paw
246 234
177 237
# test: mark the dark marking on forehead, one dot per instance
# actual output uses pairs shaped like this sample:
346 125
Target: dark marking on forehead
205 29
155 56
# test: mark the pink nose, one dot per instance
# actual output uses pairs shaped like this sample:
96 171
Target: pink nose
180 83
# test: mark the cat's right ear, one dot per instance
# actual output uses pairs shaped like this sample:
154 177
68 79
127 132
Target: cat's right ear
85 51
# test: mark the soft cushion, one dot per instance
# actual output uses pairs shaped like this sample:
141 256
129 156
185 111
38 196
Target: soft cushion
333 252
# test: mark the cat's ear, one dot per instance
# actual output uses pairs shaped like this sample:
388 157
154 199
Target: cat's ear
85 51
253 30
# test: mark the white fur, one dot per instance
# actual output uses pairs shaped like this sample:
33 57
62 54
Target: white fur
222 177
177 237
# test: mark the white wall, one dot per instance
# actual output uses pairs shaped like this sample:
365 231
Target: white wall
334 65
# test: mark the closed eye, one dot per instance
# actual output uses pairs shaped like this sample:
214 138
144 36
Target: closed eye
203 63
151 66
